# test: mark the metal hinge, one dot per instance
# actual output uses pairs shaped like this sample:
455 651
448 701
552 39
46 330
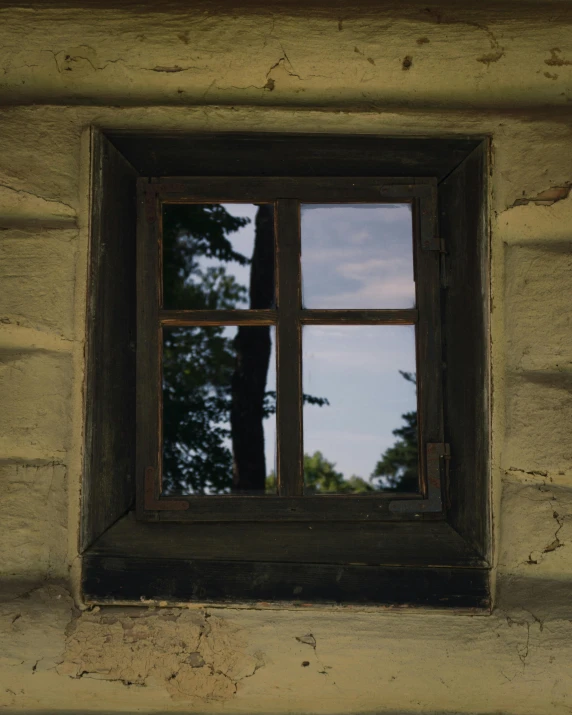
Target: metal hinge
438 457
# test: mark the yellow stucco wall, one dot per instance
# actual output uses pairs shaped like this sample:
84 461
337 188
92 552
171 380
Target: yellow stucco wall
505 72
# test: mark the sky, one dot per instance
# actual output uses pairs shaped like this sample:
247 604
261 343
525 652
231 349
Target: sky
352 257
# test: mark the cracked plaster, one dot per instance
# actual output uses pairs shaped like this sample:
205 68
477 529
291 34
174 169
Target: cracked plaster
193 655
473 73
210 660
226 55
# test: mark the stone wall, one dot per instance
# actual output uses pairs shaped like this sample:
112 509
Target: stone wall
503 71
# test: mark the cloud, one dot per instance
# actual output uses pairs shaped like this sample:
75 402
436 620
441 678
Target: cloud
353 258
353 213
394 293
329 351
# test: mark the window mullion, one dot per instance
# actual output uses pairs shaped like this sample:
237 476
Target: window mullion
289 349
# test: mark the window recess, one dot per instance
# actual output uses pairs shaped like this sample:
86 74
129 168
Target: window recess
264 312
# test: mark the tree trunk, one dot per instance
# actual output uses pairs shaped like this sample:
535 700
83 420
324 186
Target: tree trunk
248 384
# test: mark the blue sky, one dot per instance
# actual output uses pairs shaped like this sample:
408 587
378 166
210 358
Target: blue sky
352 257
358 256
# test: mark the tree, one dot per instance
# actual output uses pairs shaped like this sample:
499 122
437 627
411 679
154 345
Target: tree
398 468
321 477
198 363
210 379
253 348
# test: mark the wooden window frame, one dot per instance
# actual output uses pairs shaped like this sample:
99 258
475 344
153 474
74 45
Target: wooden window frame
289 318
430 548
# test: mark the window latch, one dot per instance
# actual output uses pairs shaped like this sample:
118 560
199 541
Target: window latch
438 457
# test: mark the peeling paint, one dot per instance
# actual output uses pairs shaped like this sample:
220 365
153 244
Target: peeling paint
545 198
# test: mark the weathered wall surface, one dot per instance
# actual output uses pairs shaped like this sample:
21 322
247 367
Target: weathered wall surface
500 71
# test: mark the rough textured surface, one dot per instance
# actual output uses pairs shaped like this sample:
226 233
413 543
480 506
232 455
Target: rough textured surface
499 70
35 419
33 513
191 654
213 53
29 260
157 660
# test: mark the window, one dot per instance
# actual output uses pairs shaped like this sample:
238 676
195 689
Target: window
197 386
237 332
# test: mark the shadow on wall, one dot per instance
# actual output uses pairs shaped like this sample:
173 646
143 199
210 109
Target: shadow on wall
196 712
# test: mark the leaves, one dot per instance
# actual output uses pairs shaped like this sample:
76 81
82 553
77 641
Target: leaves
320 476
397 469
198 362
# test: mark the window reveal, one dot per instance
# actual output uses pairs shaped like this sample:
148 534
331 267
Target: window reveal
304 544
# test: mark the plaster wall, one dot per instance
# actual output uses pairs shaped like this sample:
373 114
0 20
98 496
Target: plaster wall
503 71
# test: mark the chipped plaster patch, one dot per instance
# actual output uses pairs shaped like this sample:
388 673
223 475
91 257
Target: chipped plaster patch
190 654
545 198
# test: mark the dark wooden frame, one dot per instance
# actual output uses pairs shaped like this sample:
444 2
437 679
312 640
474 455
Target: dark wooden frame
389 555
287 194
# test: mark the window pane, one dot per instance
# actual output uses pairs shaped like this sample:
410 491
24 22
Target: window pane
357 256
360 409
218 256
219 395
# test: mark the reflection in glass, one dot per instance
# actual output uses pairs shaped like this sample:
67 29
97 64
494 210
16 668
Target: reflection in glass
219 395
218 256
357 256
365 440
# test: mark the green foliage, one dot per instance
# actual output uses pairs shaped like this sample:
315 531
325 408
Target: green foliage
270 402
198 362
398 468
321 477
191 232
198 365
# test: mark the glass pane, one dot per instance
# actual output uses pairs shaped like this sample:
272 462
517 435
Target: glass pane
219 403
357 256
360 409
218 256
